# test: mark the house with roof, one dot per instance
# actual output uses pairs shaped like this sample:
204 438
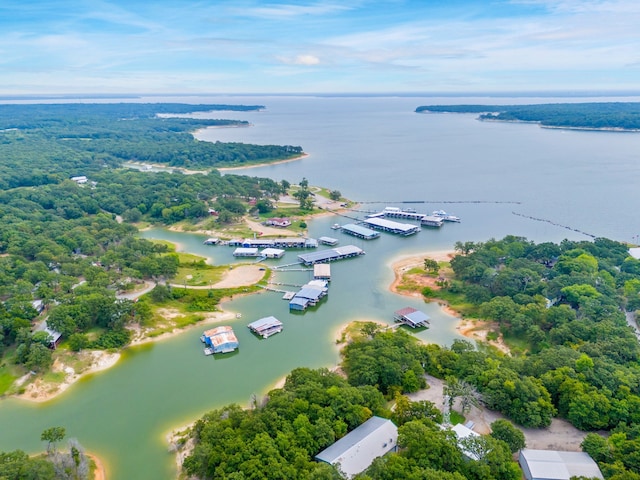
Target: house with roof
354 452
557 465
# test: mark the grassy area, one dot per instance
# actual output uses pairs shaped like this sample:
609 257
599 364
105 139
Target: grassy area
198 274
6 379
457 418
54 377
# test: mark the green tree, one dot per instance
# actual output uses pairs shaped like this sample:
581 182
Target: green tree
431 265
52 436
509 434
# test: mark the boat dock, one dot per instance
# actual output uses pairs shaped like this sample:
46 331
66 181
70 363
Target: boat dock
432 221
412 317
394 212
265 327
360 231
330 255
404 229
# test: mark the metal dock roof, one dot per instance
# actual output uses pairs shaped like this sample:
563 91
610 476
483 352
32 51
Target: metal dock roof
330 255
359 231
390 226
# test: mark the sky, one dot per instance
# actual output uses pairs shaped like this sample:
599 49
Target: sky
341 46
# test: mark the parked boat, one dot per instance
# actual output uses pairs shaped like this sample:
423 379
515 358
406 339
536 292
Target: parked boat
335 226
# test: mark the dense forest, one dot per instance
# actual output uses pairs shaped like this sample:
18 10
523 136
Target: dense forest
561 308
606 115
42 144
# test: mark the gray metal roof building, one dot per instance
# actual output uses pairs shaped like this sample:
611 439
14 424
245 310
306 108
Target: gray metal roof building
330 255
557 465
354 452
392 227
359 231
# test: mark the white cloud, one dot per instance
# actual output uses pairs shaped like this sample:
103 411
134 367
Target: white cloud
284 10
300 60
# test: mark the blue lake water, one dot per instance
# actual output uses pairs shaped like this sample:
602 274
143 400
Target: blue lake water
373 150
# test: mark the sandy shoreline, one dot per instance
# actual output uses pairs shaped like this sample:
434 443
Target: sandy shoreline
266 164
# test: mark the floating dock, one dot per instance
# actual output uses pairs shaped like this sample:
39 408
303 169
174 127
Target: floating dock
309 295
289 242
221 339
359 231
432 221
404 229
265 327
330 255
394 212
412 317
328 241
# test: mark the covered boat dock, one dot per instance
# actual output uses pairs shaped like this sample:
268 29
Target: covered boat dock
221 339
412 317
265 327
404 229
359 231
330 255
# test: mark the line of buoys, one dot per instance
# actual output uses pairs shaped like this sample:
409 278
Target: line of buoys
554 224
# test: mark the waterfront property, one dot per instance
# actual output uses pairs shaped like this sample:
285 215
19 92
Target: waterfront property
246 252
404 229
354 452
211 241
359 231
557 465
432 221
309 295
328 241
221 339
265 327
412 317
322 271
54 336
330 255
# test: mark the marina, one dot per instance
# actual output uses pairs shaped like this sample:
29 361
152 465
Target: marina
408 214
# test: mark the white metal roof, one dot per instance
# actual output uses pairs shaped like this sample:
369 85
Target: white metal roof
557 465
354 452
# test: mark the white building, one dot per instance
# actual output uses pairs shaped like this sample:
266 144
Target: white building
354 452
557 465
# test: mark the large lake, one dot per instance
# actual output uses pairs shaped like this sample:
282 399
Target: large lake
373 150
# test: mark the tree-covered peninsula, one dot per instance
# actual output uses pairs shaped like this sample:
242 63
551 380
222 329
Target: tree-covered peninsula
44 143
589 116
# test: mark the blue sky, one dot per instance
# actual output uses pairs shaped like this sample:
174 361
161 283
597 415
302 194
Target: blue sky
245 46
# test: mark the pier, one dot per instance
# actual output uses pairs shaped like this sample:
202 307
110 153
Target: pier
359 231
